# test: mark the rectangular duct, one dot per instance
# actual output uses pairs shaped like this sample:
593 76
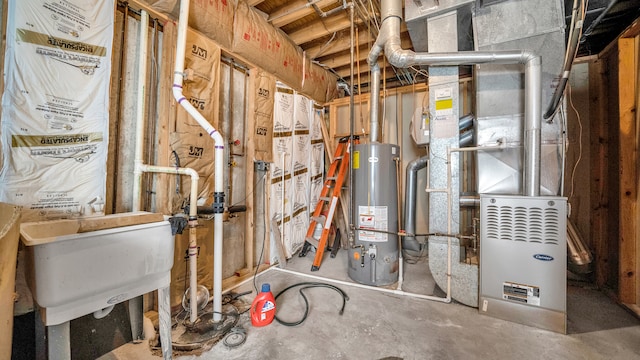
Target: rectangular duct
537 26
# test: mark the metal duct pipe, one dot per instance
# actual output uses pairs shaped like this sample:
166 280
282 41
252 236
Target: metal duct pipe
466 139
464 125
411 186
466 122
375 102
389 41
469 201
579 255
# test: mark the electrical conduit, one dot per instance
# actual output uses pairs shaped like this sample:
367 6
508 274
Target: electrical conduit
218 204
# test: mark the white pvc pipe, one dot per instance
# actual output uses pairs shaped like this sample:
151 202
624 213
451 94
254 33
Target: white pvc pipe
140 168
193 223
361 286
178 77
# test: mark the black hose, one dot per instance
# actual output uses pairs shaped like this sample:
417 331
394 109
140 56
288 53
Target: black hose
308 285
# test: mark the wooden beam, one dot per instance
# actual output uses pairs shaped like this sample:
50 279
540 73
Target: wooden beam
628 164
636 306
343 42
167 112
599 129
254 2
320 28
295 10
250 149
344 59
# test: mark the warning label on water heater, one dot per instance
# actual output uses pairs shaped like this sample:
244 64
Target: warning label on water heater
375 218
521 293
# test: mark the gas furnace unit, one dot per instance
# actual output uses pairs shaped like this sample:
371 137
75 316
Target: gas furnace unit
523 260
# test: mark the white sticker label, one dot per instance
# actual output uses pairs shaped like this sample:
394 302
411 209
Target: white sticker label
375 218
521 293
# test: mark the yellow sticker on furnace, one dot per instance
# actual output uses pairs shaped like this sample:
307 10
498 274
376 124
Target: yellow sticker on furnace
444 104
356 159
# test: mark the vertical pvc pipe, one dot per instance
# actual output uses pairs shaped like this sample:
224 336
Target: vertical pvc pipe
218 205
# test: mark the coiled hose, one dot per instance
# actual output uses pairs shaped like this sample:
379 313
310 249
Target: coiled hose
308 285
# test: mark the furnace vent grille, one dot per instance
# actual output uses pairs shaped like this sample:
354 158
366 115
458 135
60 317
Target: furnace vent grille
533 224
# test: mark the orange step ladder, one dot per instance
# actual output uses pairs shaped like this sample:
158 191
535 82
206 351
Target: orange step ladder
332 186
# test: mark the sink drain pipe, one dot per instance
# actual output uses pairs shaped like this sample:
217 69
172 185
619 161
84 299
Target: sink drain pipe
140 168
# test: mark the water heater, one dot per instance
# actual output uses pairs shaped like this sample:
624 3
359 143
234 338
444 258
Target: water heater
373 258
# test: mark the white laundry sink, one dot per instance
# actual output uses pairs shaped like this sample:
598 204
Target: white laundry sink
76 267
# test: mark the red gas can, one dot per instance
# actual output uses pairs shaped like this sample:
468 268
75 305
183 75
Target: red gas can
263 308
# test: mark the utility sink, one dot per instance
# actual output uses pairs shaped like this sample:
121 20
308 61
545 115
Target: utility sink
81 266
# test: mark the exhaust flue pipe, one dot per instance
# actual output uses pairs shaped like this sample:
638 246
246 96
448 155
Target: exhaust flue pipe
410 242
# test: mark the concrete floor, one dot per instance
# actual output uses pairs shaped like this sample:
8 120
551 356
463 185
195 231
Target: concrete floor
378 325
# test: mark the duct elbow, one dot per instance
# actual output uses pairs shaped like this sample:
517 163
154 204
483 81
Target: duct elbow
417 164
374 54
399 57
531 58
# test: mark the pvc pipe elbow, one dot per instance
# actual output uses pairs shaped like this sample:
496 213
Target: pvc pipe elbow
177 93
192 173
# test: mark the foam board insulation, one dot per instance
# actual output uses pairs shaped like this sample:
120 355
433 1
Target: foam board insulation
55 106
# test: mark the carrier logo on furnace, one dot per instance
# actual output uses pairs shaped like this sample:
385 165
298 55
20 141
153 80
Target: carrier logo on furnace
543 257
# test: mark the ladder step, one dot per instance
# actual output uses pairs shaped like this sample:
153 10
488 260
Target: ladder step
338 157
312 241
332 177
319 219
324 198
